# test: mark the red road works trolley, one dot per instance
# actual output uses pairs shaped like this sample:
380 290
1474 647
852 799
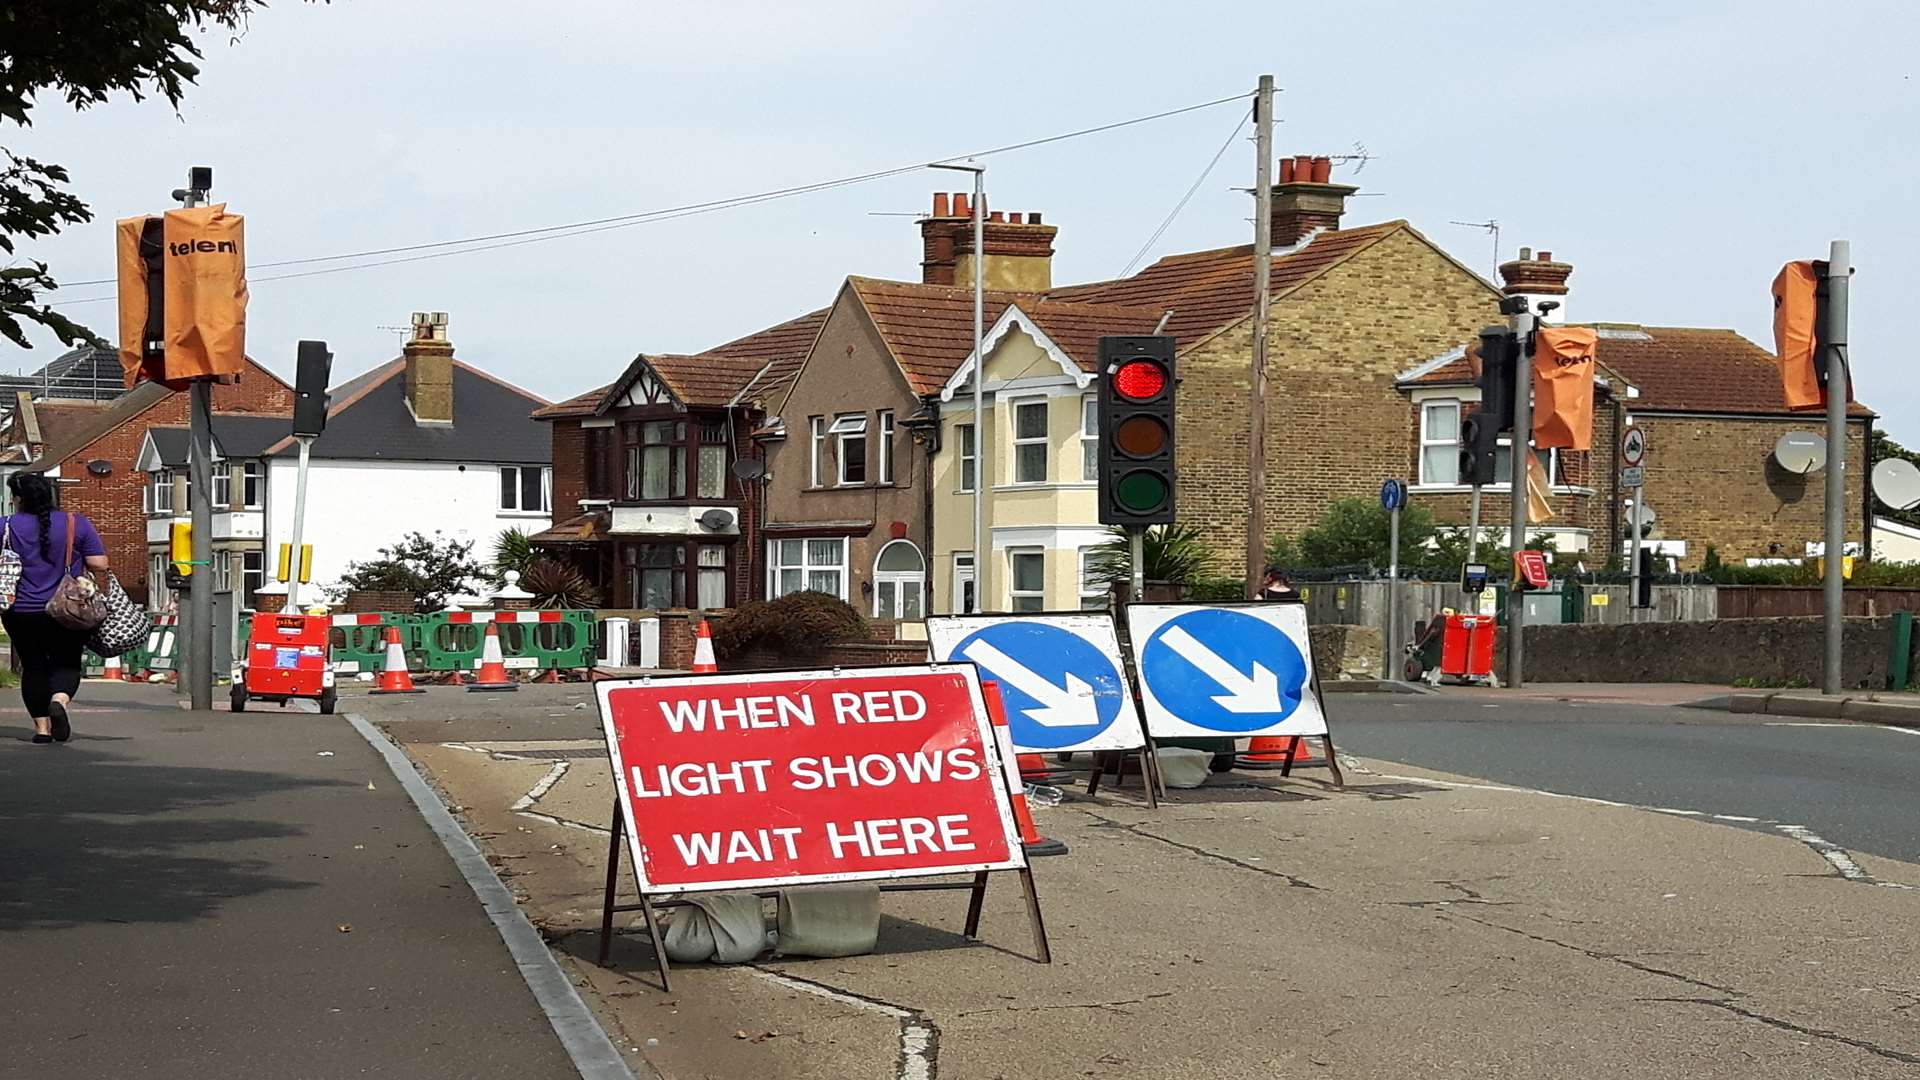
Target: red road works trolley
286 659
1454 647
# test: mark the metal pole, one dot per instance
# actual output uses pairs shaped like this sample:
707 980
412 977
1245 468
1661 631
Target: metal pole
199 675
299 524
979 390
1473 533
1517 524
1137 552
1393 669
1635 528
1262 275
1834 340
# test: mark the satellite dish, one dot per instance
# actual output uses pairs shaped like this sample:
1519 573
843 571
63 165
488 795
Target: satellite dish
1896 483
1641 514
716 519
749 468
100 467
1800 452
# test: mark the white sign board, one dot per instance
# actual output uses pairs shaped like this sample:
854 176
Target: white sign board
1060 676
1633 476
1633 446
1225 670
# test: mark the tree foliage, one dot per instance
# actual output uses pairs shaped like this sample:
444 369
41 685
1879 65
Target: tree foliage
1173 553
84 54
512 551
800 625
1355 535
431 568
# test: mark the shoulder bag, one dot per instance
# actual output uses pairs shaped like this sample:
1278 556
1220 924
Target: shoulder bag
11 566
76 603
126 626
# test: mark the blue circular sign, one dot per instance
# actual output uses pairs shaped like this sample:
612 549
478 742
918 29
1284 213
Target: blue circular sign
1393 495
1059 690
1224 670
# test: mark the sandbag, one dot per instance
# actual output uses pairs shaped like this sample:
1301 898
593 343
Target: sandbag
828 920
725 928
1183 768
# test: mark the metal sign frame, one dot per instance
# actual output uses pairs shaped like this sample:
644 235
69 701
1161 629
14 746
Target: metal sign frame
945 633
1145 622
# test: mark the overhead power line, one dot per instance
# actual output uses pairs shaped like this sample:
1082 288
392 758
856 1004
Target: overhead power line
1188 197
515 238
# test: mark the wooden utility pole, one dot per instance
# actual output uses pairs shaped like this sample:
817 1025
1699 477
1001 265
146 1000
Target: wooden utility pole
1262 273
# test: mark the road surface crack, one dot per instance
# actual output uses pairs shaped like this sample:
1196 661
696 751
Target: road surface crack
1798 1029
1595 954
1117 1006
919 1055
1293 880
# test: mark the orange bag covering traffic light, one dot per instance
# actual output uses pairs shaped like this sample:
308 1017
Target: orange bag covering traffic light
203 296
1795 327
1563 387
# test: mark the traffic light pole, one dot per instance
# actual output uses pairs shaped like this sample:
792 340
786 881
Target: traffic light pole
300 524
1262 285
1137 554
1834 340
1522 324
199 666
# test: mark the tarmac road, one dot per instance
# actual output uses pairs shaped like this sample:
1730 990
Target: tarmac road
1857 785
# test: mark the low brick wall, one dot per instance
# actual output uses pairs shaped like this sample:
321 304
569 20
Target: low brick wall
1343 652
1771 652
366 601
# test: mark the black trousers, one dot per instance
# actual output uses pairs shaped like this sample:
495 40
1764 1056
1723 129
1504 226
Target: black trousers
49 656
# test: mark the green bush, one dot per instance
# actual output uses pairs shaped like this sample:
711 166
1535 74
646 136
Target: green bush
1217 588
799 624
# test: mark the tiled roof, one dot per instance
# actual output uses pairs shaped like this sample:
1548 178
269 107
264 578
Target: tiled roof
369 421
582 405
785 347
1678 369
59 420
709 379
929 328
90 427
1207 290
574 530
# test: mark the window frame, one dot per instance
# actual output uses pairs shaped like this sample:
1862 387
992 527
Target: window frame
1015 441
899 578
849 429
884 474
253 577
816 442
520 488
806 566
1089 590
253 476
1506 443
1014 594
963 570
222 474
967 452
1089 439
159 483
1427 440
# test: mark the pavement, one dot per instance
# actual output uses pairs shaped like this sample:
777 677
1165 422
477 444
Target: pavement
218 895
1878 707
1537 888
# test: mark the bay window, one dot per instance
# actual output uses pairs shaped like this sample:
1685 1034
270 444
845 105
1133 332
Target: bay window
818 565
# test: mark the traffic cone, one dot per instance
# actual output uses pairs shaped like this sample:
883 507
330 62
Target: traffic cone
394 677
110 669
1030 837
703 663
492 676
1035 770
1270 752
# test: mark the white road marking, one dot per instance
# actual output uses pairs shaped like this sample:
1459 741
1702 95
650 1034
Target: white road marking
546 784
1834 854
917 1035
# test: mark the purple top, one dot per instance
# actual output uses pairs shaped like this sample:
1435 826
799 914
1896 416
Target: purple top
40 572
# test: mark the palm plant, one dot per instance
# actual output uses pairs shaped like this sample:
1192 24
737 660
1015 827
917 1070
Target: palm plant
512 550
555 584
1173 553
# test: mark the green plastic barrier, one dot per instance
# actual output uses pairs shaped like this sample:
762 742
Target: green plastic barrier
359 642
529 640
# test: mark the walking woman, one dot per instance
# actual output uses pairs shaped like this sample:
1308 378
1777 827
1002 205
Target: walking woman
49 653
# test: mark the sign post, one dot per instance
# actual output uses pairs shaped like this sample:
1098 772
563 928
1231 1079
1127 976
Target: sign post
1633 451
766 780
1393 495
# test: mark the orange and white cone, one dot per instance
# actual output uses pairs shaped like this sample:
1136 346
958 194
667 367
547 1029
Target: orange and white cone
1030 837
394 677
1270 752
703 662
492 676
110 669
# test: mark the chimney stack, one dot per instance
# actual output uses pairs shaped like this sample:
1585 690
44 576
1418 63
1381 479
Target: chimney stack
1305 199
429 357
1019 247
1537 277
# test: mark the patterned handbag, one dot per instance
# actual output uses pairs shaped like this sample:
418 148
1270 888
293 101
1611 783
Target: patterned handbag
126 626
11 567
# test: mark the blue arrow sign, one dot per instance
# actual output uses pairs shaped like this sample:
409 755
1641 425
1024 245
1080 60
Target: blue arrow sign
1224 670
1060 691
1393 495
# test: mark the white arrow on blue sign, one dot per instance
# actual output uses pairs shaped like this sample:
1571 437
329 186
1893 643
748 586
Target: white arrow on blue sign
1059 675
1225 670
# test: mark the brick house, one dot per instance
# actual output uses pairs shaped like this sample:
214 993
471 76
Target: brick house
92 452
1709 401
653 506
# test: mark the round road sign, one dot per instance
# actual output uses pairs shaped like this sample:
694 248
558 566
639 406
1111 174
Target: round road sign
1633 446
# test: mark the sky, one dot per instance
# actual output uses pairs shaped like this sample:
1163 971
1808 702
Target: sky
1675 154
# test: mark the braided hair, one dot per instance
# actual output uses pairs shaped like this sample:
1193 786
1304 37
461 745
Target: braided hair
34 494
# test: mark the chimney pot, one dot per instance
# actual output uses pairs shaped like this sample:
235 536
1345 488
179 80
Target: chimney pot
1033 217
1526 253
1286 170
941 207
962 204
1302 168
1322 170
1013 219
1546 256
997 217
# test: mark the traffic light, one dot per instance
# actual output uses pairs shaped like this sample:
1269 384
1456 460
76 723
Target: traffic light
1136 376
284 571
1480 430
